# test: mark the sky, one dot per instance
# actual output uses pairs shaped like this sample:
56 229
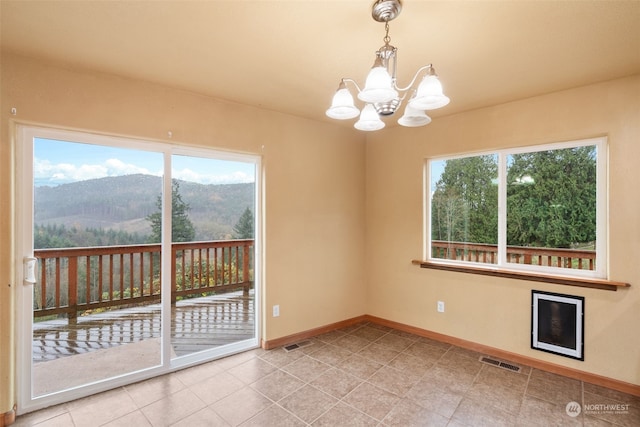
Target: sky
58 162
436 168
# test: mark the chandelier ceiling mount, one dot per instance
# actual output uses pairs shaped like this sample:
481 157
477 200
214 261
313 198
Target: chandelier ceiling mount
385 10
381 94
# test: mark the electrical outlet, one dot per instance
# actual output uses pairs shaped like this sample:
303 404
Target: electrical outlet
276 310
440 306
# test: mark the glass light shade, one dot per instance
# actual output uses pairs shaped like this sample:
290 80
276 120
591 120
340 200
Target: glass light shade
369 119
429 95
414 118
378 87
342 106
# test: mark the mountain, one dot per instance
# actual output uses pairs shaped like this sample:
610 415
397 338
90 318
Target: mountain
124 202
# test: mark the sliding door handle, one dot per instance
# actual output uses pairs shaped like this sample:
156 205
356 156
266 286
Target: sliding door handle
30 264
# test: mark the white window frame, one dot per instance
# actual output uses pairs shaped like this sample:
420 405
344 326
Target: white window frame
601 269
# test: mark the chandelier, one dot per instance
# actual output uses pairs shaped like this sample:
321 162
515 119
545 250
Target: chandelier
381 94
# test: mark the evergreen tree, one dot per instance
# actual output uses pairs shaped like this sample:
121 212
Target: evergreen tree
182 229
58 236
464 206
244 227
551 198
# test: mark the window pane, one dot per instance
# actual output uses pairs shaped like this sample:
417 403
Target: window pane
551 208
95 301
213 205
464 208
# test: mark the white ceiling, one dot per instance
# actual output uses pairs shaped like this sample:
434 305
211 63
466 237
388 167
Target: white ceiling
289 56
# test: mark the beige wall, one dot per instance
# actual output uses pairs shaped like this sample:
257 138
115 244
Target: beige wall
314 184
495 311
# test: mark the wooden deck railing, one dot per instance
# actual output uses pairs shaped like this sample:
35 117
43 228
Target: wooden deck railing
74 280
486 253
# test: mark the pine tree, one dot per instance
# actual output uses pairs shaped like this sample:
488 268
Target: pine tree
244 227
182 229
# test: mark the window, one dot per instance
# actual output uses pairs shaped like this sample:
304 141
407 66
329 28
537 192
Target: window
539 209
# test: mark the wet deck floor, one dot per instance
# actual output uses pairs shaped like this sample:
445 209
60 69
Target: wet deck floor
197 324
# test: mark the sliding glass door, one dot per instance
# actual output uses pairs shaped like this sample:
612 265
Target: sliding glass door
135 258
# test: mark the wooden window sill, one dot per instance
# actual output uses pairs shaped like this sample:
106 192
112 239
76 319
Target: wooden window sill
608 285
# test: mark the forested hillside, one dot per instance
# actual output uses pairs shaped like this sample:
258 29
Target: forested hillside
122 204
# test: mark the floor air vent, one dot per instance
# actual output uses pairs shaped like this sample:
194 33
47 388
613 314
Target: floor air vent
300 344
499 364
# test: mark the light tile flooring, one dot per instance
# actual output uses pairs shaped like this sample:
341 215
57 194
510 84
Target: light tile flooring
363 375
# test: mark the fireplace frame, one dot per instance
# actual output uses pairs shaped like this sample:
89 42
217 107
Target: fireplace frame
540 299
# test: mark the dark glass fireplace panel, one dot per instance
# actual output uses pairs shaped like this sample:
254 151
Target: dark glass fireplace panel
557 323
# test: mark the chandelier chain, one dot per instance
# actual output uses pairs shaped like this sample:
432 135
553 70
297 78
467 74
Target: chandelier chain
386 38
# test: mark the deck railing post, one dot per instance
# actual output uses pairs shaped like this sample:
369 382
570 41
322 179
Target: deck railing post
72 289
174 282
245 268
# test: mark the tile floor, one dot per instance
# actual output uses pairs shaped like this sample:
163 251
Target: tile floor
363 375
